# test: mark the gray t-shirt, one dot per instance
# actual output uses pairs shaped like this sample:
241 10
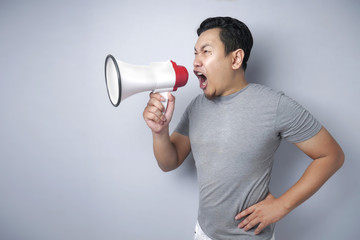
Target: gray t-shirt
233 141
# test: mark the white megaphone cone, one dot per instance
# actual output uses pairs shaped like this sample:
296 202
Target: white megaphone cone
123 79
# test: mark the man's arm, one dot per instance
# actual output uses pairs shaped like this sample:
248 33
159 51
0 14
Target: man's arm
170 152
328 158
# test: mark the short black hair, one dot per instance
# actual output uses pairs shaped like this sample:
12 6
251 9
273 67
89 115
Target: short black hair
234 34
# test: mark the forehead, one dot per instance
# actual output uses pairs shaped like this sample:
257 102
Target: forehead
210 37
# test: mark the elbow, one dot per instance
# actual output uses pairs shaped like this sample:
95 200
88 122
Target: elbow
166 168
340 158
337 159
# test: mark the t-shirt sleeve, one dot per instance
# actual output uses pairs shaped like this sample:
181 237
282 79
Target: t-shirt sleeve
183 125
294 123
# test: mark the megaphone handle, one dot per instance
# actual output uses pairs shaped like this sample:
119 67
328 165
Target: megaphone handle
165 102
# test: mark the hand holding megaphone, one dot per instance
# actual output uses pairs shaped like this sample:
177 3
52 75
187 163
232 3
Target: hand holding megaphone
123 79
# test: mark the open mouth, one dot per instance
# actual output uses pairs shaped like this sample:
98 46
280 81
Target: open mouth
202 78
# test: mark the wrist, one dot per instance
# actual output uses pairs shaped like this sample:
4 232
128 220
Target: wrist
286 204
164 132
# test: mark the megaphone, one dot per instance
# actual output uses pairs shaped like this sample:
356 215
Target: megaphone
124 79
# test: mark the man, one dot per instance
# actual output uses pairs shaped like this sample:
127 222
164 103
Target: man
233 131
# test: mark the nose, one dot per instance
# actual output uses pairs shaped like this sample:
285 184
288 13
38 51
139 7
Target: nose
197 61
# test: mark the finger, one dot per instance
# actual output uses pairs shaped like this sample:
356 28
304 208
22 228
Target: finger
150 117
170 107
247 220
259 228
153 109
157 96
154 114
244 213
171 97
156 103
251 224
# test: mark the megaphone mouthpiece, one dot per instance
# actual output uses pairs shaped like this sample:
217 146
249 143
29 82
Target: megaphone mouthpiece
182 75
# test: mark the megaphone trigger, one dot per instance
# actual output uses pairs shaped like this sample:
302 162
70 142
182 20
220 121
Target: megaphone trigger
164 93
166 101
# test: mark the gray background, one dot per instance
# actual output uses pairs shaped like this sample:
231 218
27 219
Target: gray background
74 167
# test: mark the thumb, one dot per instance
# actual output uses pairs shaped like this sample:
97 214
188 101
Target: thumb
170 107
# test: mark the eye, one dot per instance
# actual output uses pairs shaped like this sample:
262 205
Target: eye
207 51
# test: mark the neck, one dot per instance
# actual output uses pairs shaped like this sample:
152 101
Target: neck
238 82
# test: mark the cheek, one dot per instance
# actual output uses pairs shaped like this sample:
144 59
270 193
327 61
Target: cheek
212 69
215 76
215 69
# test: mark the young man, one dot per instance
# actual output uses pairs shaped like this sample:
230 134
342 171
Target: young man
233 131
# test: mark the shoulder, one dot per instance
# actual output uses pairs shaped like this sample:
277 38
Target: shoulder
263 90
263 94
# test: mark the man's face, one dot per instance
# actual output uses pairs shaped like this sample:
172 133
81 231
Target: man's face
211 66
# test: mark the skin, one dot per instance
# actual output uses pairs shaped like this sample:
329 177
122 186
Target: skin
224 76
224 73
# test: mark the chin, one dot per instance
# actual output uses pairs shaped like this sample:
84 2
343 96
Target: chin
210 96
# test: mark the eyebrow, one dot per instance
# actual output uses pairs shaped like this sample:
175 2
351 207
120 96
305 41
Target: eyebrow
202 47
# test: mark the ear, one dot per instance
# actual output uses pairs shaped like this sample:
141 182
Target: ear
237 58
